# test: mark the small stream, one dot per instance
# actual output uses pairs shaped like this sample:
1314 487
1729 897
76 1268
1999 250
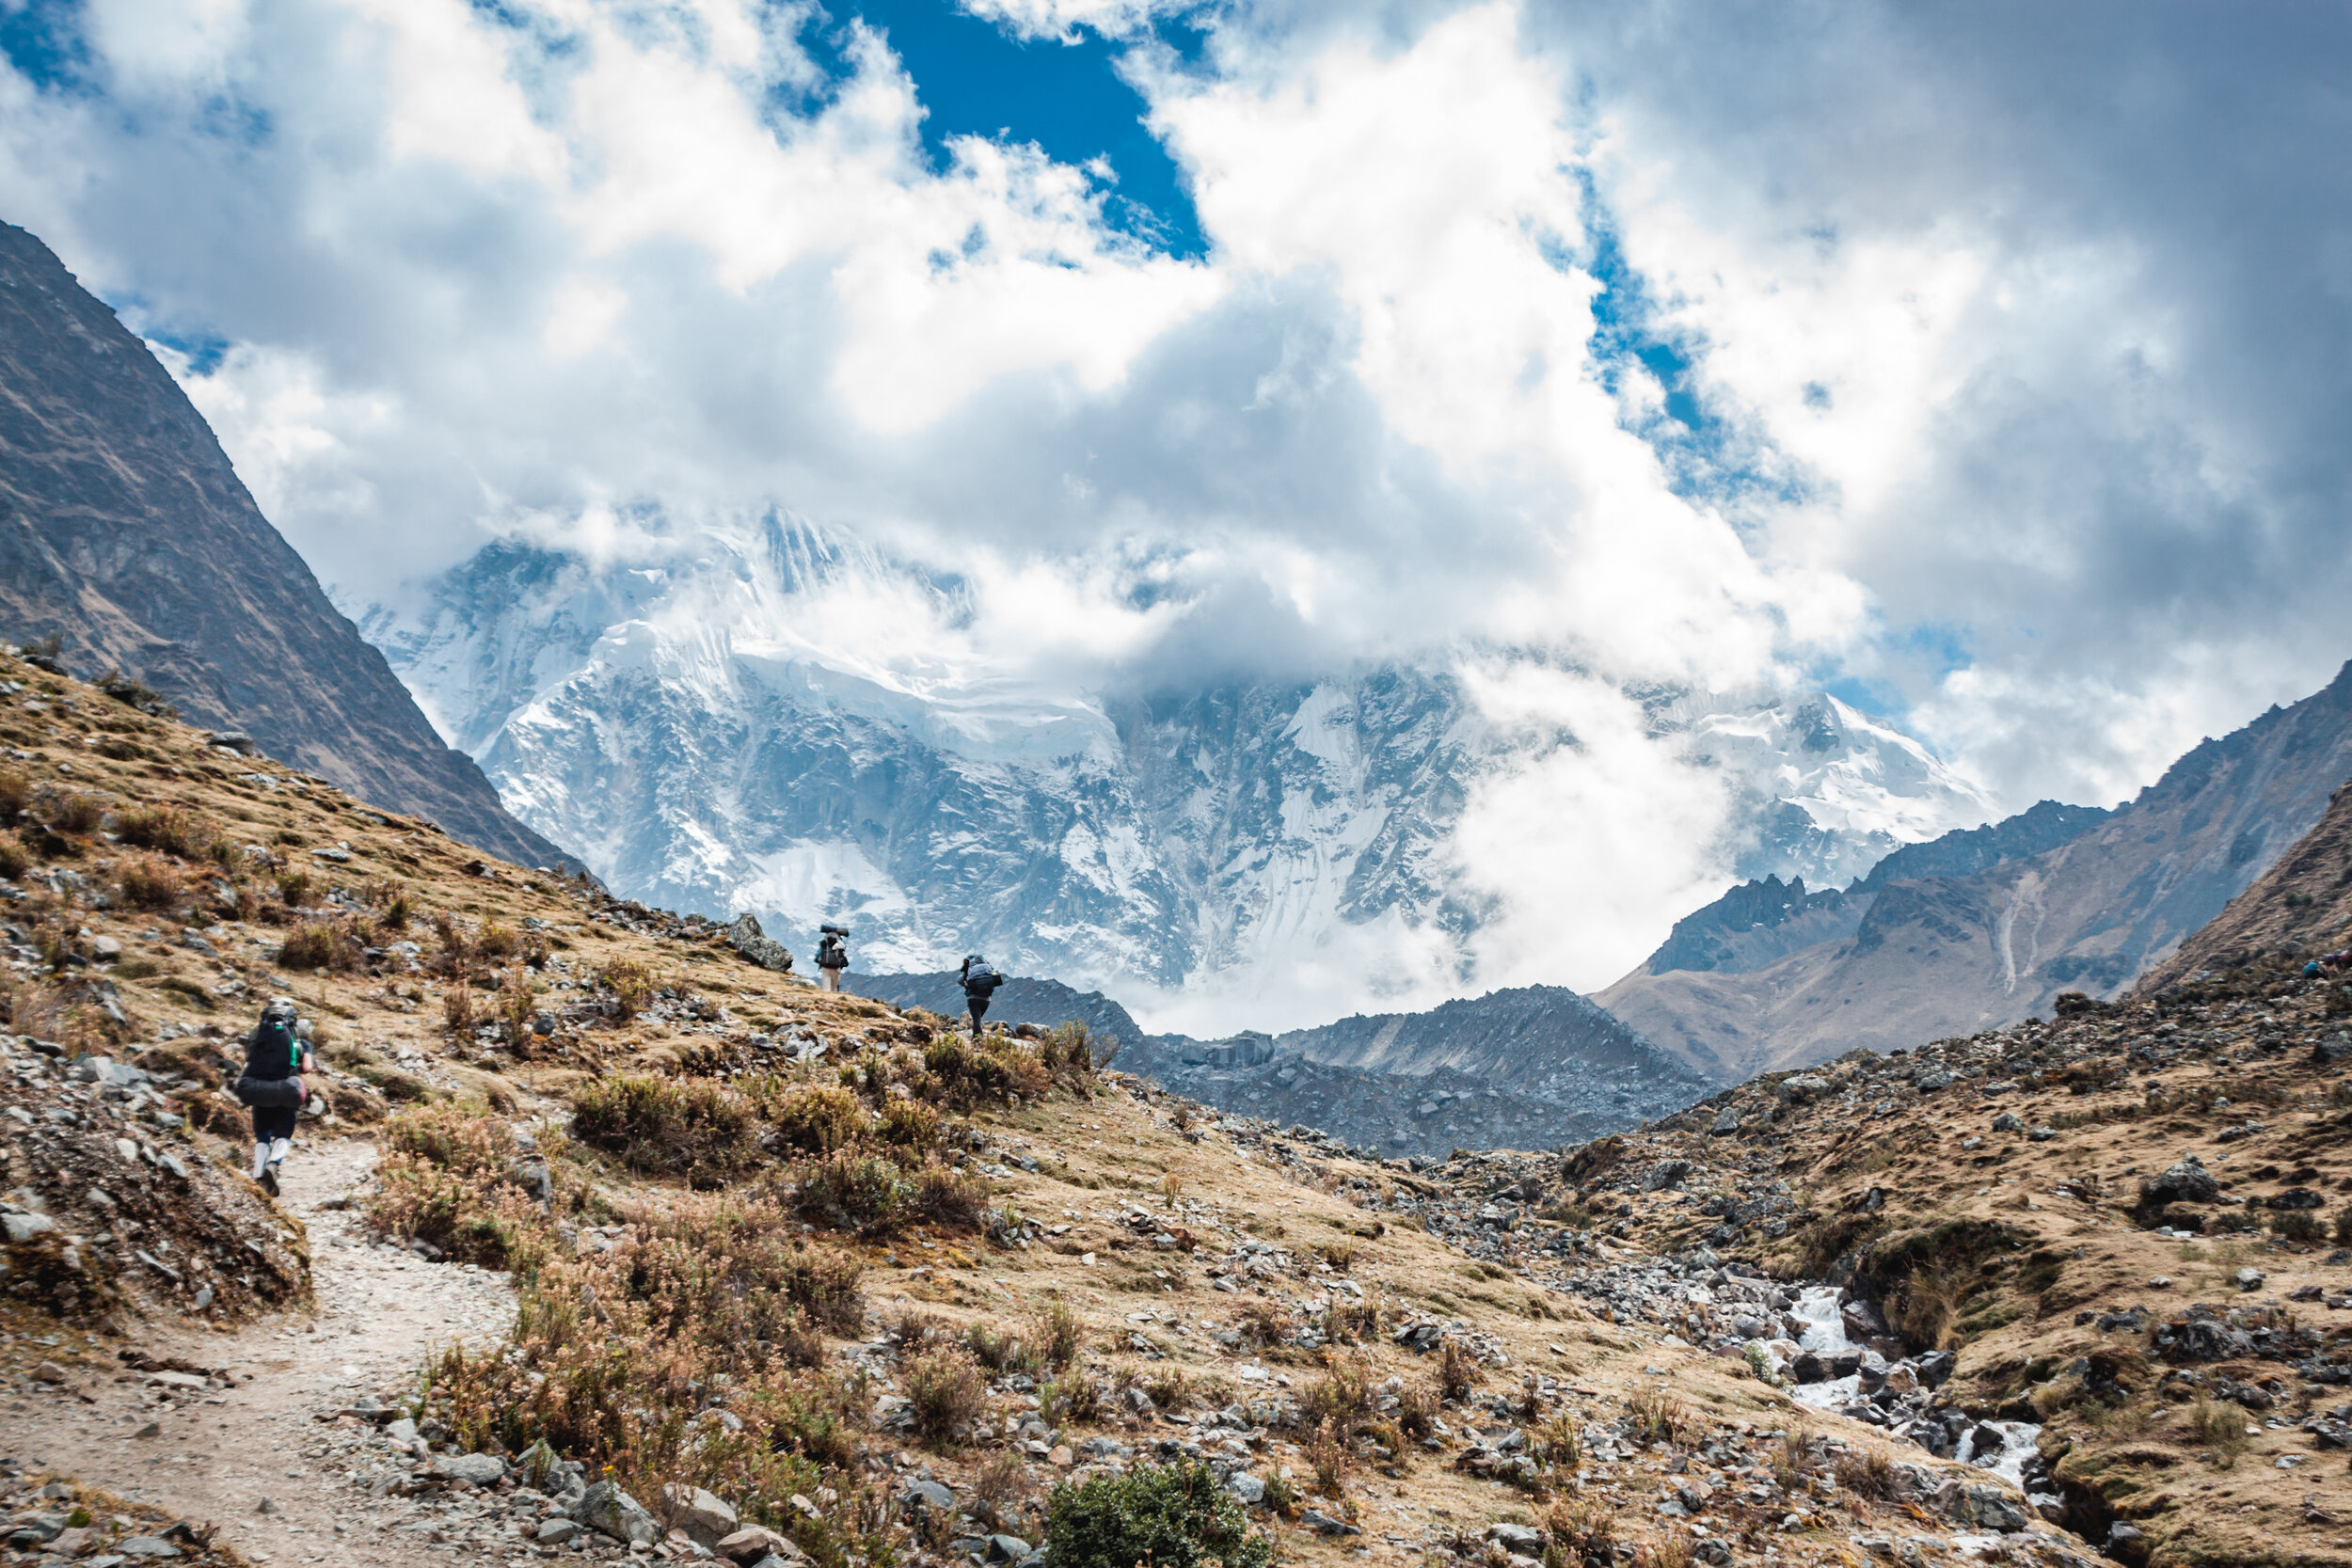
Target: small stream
1818 1308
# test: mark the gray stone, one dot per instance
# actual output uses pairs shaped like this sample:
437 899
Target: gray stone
1517 1538
470 1469
1726 1121
746 938
147 1545
608 1509
1248 1490
402 1431
559 1531
755 1543
2249 1279
703 1517
929 1494
1322 1523
1007 1549
2188 1183
2008 1122
23 1227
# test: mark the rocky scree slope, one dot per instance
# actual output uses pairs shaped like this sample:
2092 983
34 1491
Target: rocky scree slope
125 534
1944 954
2120 1234
808 1277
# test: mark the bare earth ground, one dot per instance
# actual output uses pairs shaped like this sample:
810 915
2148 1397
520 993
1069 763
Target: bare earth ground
218 1455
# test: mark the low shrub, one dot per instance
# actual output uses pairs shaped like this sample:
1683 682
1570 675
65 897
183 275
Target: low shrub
1866 1474
819 1119
167 829
13 860
1457 1370
1657 1416
1168 1517
630 983
2220 1428
1060 1334
1071 1400
151 883
1067 1056
950 1199
852 1190
332 947
16 794
1000 1350
446 1178
75 813
693 1128
909 1127
964 1073
618 1356
947 1394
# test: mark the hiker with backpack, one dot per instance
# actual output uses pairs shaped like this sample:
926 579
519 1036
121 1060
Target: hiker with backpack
979 984
276 1056
833 955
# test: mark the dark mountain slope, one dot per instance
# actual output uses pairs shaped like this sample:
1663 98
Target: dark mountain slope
124 532
1949 955
1756 923
2299 907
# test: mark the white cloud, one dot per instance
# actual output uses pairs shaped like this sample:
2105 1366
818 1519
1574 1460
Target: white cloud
2037 365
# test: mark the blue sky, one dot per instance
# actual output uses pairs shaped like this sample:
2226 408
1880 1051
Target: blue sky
977 77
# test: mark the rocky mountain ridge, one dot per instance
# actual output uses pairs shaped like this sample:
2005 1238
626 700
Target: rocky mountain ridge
125 534
1944 954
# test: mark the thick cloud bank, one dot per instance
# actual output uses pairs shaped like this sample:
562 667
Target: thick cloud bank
1985 359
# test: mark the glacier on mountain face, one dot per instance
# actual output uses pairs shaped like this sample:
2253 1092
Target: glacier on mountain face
730 721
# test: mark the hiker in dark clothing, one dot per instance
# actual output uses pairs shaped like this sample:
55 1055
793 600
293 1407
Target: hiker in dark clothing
833 955
277 1054
979 984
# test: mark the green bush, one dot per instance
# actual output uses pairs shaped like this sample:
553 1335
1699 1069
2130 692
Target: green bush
819 1119
1171 1516
964 1073
950 1199
693 1128
908 1128
853 1191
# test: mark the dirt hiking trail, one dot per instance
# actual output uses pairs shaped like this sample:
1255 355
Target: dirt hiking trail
216 1454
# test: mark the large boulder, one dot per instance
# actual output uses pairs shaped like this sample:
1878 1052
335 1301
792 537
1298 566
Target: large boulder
2188 1183
614 1512
469 1469
703 1517
745 937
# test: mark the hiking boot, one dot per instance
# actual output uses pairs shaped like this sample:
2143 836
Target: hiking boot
269 1180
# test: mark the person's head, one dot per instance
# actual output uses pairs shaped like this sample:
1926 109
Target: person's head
280 1007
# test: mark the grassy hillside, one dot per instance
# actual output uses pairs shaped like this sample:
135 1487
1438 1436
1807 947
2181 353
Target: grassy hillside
859 1287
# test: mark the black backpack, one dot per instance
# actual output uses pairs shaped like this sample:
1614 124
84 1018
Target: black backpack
979 980
274 1050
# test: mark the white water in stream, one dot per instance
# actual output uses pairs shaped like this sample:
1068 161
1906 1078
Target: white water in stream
1824 1334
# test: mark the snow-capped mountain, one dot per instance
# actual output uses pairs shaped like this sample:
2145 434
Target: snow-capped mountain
730 725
